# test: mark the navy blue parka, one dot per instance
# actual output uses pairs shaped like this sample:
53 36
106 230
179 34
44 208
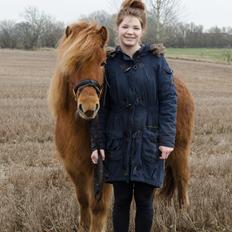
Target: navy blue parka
137 115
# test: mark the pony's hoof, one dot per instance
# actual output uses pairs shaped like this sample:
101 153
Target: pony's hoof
74 228
81 228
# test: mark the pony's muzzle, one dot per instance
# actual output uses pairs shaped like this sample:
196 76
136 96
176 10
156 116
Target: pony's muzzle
88 113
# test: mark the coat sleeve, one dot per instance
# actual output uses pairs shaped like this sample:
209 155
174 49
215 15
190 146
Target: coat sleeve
167 105
98 125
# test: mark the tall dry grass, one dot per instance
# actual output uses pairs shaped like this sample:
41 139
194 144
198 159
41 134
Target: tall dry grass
37 195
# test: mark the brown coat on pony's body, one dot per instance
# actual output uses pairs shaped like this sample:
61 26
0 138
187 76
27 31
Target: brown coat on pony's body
176 166
80 55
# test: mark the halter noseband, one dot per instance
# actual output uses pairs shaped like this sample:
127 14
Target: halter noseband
85 83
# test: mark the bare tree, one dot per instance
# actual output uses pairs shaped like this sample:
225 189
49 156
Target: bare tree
36 30
8 37
107 20
28 37
165 13
32 28
52 32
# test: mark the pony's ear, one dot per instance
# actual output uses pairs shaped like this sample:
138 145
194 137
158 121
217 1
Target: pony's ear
67 31
104 35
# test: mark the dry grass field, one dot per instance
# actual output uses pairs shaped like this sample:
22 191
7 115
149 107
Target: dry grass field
36 194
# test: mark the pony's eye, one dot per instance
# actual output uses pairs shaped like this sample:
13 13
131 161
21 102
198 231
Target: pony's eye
103 63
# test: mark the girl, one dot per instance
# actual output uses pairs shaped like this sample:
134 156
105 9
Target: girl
136 125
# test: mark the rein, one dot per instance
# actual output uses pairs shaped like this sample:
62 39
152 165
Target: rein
98 177
98 171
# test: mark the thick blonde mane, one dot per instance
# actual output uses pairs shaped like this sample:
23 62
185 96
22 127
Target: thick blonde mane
80 44
79 48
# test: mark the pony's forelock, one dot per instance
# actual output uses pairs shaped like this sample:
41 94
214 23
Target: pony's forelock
76 50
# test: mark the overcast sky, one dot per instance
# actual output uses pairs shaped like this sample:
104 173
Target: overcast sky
202 12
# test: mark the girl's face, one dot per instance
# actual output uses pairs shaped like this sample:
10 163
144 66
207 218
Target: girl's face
130 32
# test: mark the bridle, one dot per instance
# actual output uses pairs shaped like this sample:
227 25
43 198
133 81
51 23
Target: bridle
86 83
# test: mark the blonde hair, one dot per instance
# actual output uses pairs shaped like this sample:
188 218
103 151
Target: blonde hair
78 46
134 8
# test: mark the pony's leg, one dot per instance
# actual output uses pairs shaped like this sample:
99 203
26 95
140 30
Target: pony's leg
85 215
180 169
99 210
82 185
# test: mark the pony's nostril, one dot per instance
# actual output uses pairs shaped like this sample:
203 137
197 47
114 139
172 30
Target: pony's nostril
89 113
97 106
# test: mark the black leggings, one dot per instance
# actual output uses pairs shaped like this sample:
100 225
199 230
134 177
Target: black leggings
143 195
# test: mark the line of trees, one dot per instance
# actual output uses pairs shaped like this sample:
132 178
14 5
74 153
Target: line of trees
36 30
40 30
172 33
193 36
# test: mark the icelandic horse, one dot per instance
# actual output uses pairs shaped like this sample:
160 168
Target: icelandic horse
74 99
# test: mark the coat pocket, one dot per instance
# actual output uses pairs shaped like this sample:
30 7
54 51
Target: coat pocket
114 158
114 147
150 150
150 154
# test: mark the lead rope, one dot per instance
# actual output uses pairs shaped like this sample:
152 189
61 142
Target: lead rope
99 167
98 172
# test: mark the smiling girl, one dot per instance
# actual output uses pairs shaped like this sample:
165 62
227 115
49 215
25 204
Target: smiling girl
136 126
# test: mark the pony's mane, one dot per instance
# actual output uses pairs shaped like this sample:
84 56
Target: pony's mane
78 48
80 45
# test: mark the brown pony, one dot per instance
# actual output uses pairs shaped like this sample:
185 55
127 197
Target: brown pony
79 70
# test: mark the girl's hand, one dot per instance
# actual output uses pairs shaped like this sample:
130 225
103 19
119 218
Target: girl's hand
165 152
94 156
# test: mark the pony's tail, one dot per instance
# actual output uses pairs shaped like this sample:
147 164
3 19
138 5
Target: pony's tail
169 185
